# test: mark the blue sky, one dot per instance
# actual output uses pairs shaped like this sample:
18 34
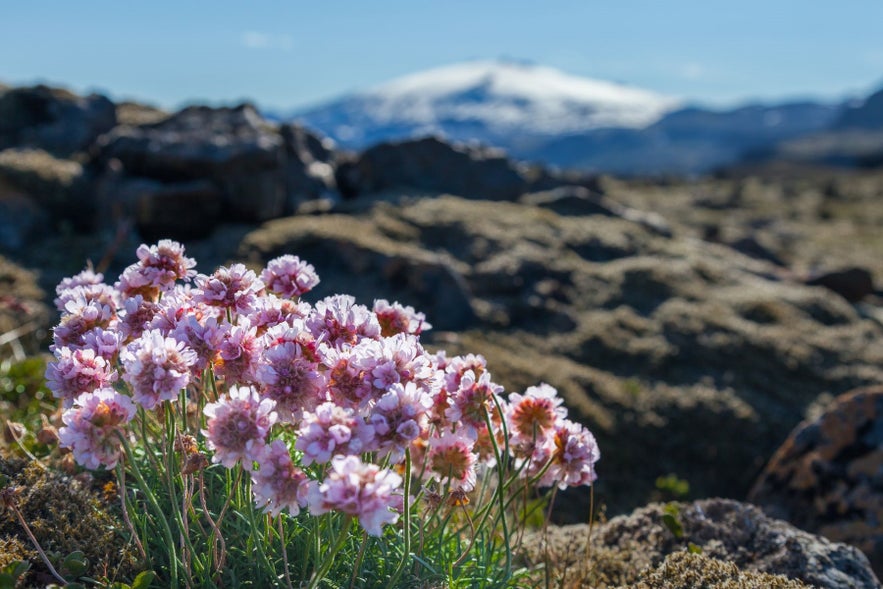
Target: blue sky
291 54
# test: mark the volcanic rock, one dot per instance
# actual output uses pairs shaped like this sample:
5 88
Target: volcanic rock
827 477
258 171
670 343
725 530
853 284
53 119
432 166
59 187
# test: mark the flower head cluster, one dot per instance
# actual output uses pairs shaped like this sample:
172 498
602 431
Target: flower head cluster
289 277
364 490
238 426
93 426
310 399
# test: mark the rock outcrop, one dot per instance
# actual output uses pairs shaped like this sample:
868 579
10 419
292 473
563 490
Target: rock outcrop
625 550
670 343
200 166
432 166
53 119
828 475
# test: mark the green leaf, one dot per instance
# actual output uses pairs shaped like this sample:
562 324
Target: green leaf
694 549
671 520
143 580
75 564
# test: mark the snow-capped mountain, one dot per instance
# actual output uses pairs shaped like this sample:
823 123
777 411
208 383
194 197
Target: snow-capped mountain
503 103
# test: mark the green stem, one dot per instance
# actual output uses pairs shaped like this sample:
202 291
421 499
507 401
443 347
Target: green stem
406 556
502 488
151 499
342 537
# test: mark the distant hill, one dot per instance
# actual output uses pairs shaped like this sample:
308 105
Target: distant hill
541 114
502 103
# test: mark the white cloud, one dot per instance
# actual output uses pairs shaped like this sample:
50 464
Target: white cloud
258 40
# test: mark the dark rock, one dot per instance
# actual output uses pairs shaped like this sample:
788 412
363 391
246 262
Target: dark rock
57 186
853 284
180 210
53 119
827 477
721 529
258 171
430 165
309 171
234 148
21 220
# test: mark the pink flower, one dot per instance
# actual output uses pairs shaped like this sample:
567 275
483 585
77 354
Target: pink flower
85 278
136 314
202 336
156 368
81 287
239 353
398 418
78 371
238 425
573 458
396 318
290 277
451 461
349 385
362 490
332 430
474 398
291 379
235 288
278 484
157 269
82 314
339 321
398 359
105 342
532 418
93 425
270 311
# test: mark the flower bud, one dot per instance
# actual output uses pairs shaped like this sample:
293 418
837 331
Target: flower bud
13 432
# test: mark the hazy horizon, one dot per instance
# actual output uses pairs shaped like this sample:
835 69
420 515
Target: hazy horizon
287 56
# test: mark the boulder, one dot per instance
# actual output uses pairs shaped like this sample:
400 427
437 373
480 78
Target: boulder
853 284
234 148
258 171
309 171
827 477
59 187
626 549
53 119
430 165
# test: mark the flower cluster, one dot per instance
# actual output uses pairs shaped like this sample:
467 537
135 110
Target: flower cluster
322 404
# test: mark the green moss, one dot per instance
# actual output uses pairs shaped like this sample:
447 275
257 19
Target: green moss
64 517
684 570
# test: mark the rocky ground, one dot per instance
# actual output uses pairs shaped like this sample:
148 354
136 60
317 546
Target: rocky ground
686 322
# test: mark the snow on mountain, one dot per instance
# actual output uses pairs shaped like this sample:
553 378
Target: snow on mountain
497 102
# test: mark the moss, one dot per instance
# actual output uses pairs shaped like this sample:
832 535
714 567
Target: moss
12 550
685 570
64 517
